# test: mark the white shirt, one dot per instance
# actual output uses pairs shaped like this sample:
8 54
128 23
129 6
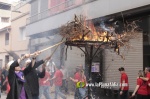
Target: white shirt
65 73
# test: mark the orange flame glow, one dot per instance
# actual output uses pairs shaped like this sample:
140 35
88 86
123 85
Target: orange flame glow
93 35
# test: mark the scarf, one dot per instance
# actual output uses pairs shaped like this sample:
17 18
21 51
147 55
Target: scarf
20 76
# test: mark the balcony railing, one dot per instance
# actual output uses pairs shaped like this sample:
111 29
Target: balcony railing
67 5
22 3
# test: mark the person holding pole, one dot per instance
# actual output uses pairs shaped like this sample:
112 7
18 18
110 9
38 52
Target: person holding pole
19 88
33 75
20 82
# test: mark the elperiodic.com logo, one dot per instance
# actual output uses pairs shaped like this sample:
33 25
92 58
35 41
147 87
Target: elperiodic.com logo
80 84
100 84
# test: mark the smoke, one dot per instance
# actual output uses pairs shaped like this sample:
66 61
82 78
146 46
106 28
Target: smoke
13 54
103 26
108 28
46 39
113 27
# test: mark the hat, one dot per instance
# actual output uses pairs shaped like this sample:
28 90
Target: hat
15 63
8 64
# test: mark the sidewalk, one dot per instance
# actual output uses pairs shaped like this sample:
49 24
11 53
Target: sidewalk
3 96
69 96
52 95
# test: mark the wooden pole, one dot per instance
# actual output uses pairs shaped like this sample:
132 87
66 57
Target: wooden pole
50 48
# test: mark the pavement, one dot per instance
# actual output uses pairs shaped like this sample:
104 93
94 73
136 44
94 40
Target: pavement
69 96
3 96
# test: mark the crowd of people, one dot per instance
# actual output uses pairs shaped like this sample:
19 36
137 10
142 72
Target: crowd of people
36 79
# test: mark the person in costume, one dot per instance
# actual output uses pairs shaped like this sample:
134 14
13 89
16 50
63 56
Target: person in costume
33 76
19 88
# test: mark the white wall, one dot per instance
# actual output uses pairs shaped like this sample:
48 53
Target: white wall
4 13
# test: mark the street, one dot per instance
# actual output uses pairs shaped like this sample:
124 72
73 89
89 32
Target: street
3 96
52 95
68 97
98 49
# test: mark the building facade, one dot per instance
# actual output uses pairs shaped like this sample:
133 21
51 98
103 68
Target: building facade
19 40
5 45
47 16
5 20
5 14
13 37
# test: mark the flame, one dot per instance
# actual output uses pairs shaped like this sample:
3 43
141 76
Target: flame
93 35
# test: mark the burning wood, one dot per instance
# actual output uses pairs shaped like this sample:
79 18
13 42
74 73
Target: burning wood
84 34
79 33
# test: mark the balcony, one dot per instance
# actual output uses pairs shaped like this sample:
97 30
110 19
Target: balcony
55 17
67 5
22 3
5 13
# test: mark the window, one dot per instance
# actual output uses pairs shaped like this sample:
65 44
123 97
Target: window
22 33
5 6
34 10
44 5
5 19
57 6
6 38
6 59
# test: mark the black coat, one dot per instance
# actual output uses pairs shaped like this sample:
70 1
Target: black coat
15 84
32 77
3 78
